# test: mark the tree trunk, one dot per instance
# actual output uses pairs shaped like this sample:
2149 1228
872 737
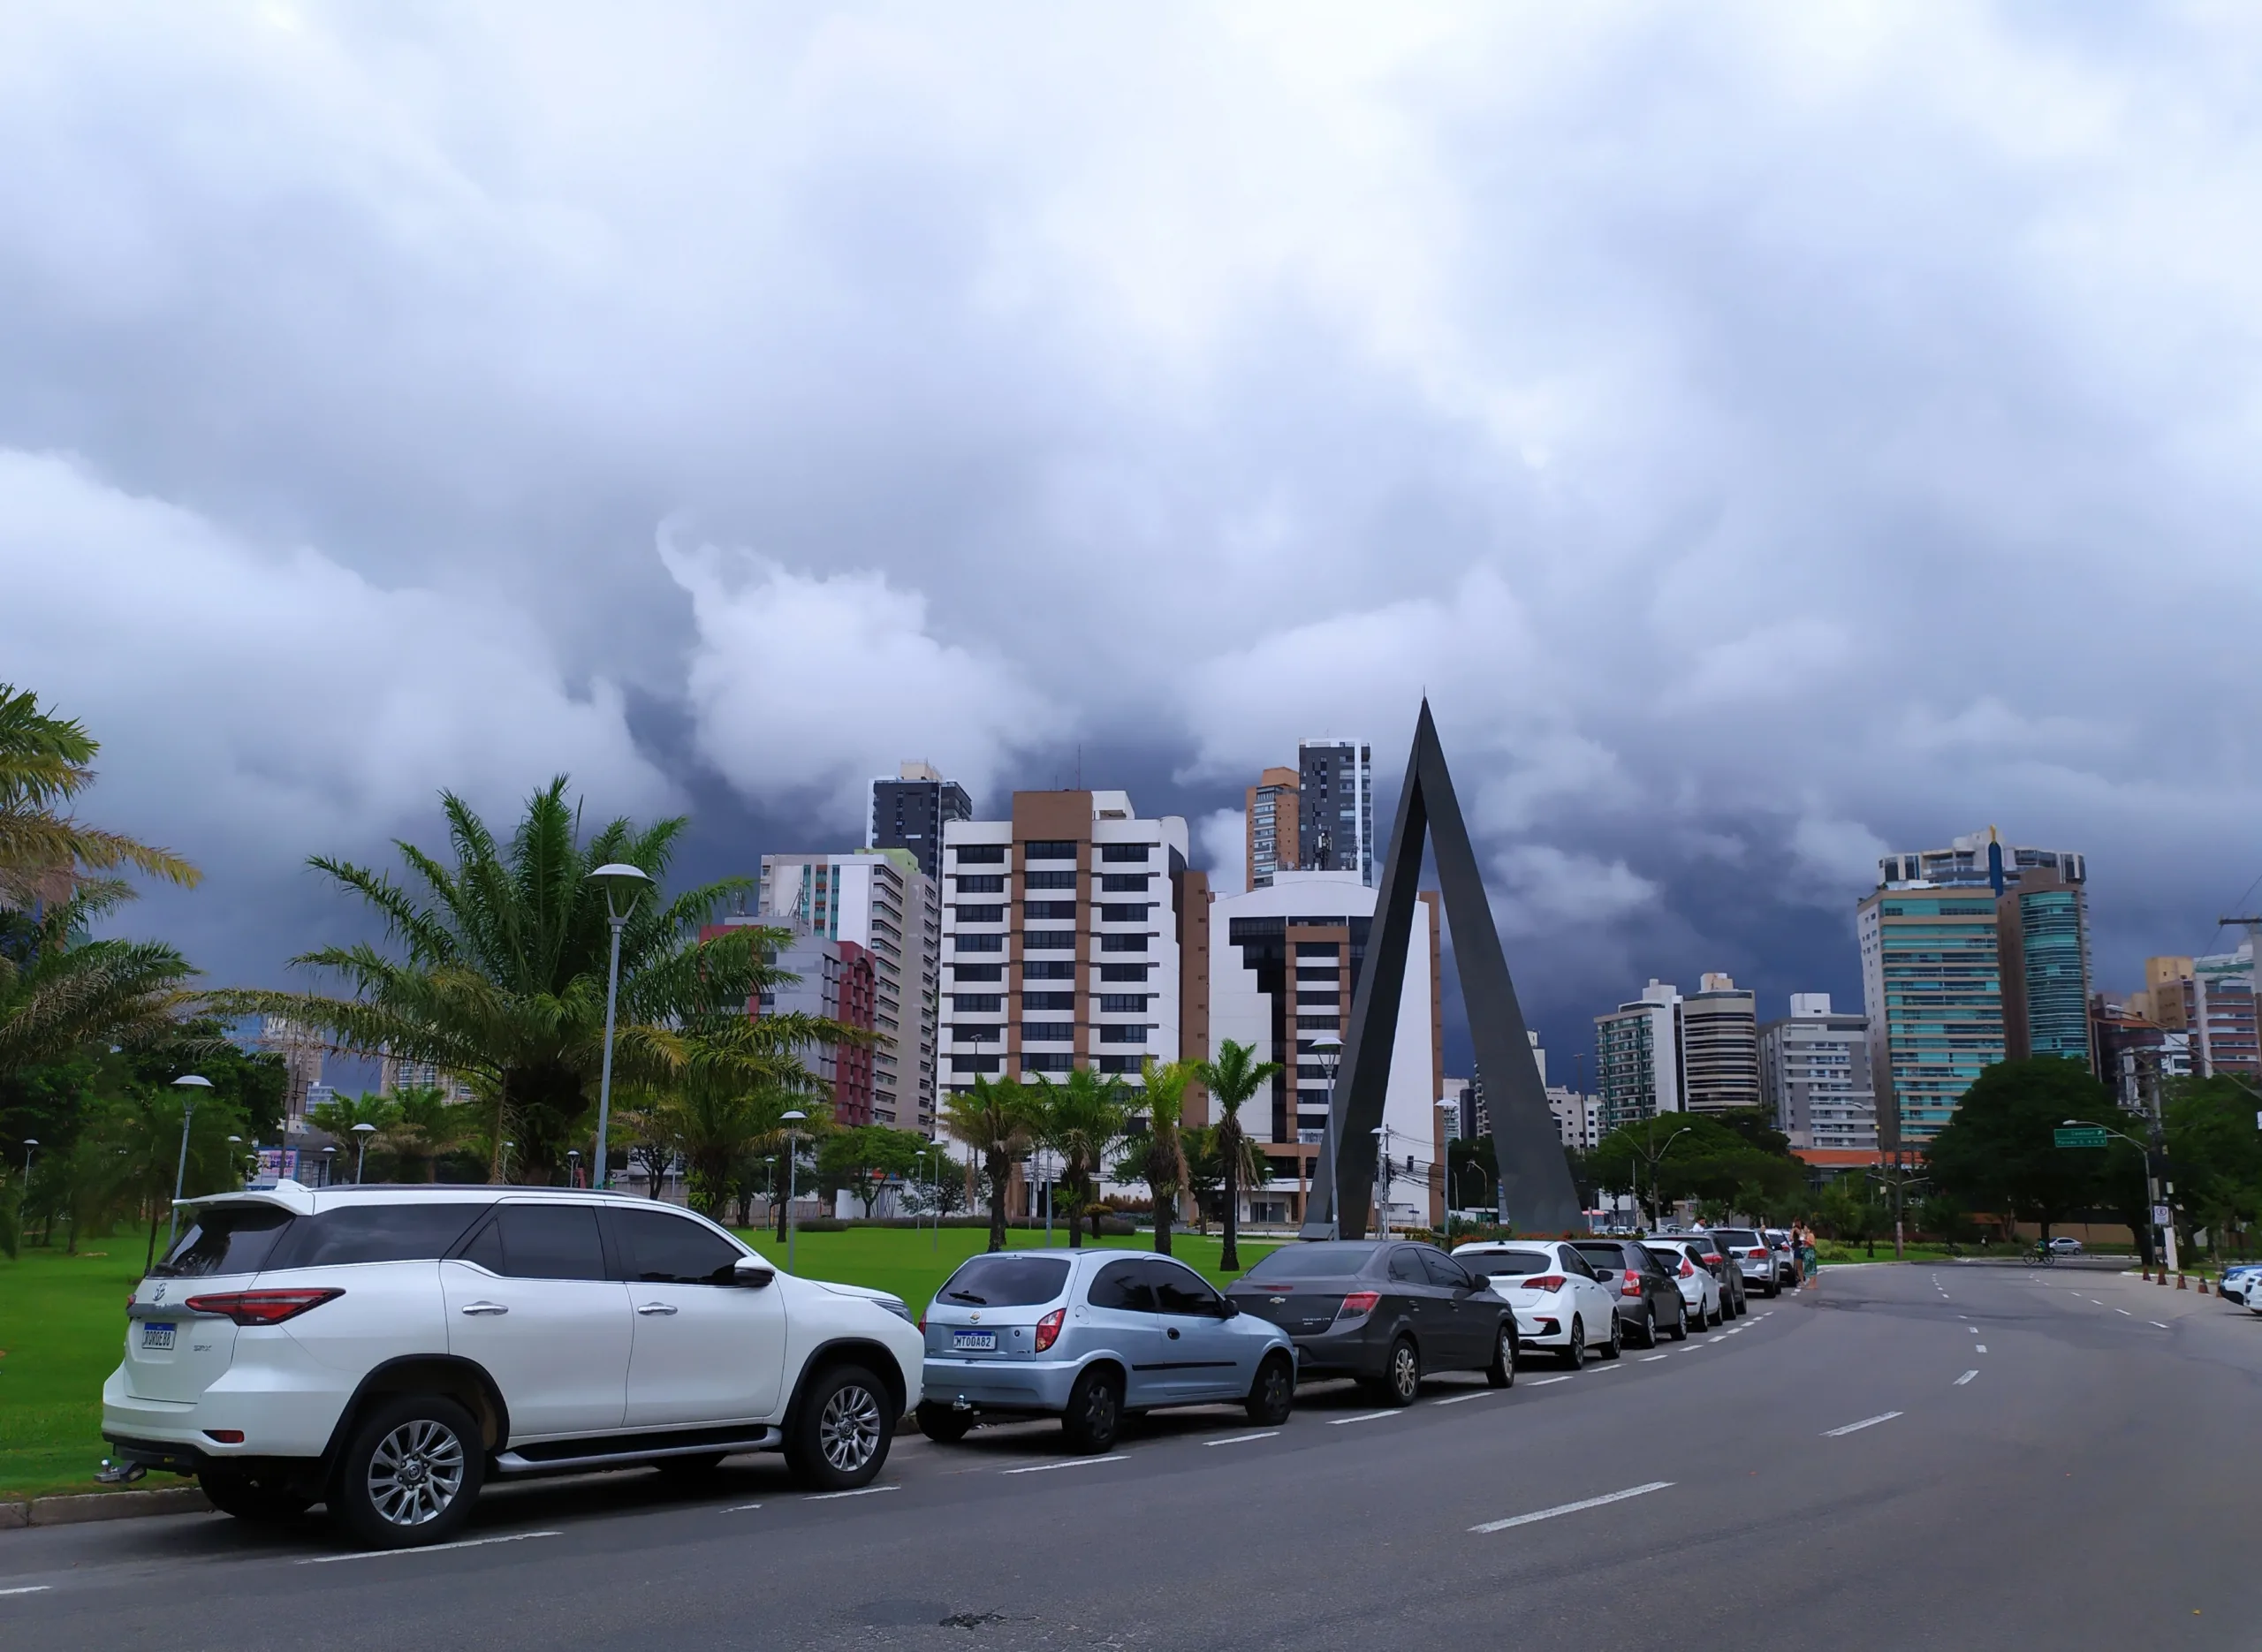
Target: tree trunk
1077 1199
1229 1257
1001 1169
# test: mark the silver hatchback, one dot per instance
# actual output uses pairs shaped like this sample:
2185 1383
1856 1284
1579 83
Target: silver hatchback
1089 1337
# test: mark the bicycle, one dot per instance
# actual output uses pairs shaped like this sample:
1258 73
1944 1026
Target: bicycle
2040 1256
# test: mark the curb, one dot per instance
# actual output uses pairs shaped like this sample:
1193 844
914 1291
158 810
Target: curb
102 1506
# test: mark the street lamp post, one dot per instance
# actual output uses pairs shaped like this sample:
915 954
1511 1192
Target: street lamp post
616 878
1445 1104
191 1082
792 1119
573 1167
30 1142
2143 1161
1328 1051
328 1163
1654 1157
362 1133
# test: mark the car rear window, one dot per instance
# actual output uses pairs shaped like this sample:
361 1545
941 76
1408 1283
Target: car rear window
1327 1259
1739 1238
1489 1263
1610 1256
422 1232
1674 1253
1007 1281
225 1239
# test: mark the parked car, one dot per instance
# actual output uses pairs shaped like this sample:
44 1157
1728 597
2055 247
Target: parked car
1722 1267
1091 1336
1787 1266
2064 1244
1382 1311
2238 1281
1648 1297
387 1351
1684 1259
1561 1308
1758 1261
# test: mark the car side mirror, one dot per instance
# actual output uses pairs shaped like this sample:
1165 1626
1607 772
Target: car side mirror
1227 1308
753 1273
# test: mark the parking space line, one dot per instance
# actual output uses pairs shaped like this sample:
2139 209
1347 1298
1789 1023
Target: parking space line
1545 1381
2154 1322
1652 1359
430 1549
1856 1428
738 1508
1243 1439
866 1491
1046 1468
31 1588
1979 1347
1364 1416
1573 1508
1966 1377
2124 1313
1482 1394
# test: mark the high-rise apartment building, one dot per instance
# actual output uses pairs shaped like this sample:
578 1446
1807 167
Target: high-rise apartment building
1637 1058
883 903
910 811
836 980
1719 1046
1271 811
1336 807
1979 857
1931 989
1578 1119
1076 936
1814 1071
2042 937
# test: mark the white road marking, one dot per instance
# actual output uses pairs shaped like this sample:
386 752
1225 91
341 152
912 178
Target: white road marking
2154 1322
1364 1416
1856 1428
1039 1468
738 1508
2124 1313
1716 1337
866 1491
1545 1381
1979 1347
1652 1358
430 1549
1966 1377
1243 1439
34 1589
1573 1508
1482 1394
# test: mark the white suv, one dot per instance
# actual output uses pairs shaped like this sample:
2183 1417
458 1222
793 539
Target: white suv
387 1350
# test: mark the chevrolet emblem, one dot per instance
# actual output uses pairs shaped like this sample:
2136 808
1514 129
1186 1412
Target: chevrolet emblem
974 1319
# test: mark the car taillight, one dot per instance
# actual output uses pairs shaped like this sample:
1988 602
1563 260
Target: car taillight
1358 1302
1633 1285
261 1307
922 1321
1757 1255
1544 1282
1048 1329
1686 1271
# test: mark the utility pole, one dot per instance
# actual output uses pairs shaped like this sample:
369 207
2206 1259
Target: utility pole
2157 1182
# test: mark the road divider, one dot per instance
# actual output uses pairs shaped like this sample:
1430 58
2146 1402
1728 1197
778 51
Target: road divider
1573 1508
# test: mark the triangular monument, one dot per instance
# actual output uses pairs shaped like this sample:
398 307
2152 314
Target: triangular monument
1536 1193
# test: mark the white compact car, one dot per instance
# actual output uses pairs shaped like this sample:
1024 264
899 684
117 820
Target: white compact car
387 1350
1561 1308
1686 1263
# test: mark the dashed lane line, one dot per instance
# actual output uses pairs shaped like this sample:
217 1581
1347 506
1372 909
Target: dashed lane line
1652 1359
1979 1347
430 1549
1039 1468
1966 1377
1243 1439
1364 1416
2154 1322
738 1508
1482 1394
1856 1428
2124 1313
868 1491
1544 1381
1573 1508
29 1588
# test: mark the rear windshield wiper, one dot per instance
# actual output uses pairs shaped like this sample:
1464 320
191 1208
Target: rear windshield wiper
969 1296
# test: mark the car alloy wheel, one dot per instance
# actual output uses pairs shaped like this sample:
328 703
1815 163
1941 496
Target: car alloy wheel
848 1428
1095 1412
1576 1354
1649 1325
1617 1339
1502 1372
416 1473
1405 1376
1273 1395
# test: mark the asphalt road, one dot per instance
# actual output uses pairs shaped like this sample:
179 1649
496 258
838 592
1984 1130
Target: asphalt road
1824 1473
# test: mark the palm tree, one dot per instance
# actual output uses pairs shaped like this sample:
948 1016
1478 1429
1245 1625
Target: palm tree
60 991
722 1129
500 974
428 1124
1160 1159
993 1120
1233 1077
46 856
1080 1119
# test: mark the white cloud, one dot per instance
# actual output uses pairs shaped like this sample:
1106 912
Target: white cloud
1548 891
1223 835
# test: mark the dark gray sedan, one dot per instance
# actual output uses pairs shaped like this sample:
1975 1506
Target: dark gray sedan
1384 1311
1649 1298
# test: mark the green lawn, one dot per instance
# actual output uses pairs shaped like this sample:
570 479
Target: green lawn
63 1322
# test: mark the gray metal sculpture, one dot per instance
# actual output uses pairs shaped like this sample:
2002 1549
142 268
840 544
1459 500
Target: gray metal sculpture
1536 1193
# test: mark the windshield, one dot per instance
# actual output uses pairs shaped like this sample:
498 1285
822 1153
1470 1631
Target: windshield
225 1239
1329 1258
1006 1280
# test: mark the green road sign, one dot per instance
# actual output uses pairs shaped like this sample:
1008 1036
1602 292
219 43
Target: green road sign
2082 1136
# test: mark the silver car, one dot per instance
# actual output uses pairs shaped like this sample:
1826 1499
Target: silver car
1090 1337
1762 1265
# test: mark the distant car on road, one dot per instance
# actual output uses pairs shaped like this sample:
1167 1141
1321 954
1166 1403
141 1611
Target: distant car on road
1759 1261
1684 1259
1561 1308
1648 1298
2065 1246
1384 1311
1090 1337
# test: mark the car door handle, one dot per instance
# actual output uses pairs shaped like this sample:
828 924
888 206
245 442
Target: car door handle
477 1308
656 1307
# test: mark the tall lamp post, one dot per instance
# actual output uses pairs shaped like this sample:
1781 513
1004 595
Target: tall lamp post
30 1143
791 1119
2144 1160
618 881
362 1132
191 1082
1656 1156
1327 1050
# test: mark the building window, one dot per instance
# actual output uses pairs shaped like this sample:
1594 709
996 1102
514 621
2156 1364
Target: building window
1048 849
1319 998
981 854
976 1063
1048 1001
1119 1064
976 1033
1125 911
1124 971
978 972
1049 969
981 883
1139 852
1125 883
981 914
978 1003
1054 910
1049 880
1319 1023
1122 943
978 943
1047 1032
1132 1035
1049 1061
1046 941
1123 1003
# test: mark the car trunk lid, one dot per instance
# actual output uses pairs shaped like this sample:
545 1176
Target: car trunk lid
1299 1307
171 1352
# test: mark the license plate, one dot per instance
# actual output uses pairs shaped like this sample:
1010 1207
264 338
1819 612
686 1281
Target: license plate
974 1341
156 1335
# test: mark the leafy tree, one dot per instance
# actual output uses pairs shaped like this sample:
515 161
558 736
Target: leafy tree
428 1124
862 1157
1998 1153
1233 1077
1080 1119
937 1183
2216 1149
1157 1156
993 1118
49 858
499 975
337 1118
724 1128
1678 1156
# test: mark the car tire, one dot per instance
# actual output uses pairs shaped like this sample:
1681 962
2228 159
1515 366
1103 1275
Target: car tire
1094 1411
942 1424
1680 1324
1273 1395
1574 1351
687 1470
1771 1289
1648 1326
1402 1374
838 1437
1616 1345
1717 1318
1502 1372
251 1496
409 1473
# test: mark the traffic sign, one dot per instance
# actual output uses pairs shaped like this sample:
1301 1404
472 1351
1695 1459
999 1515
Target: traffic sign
2082 1136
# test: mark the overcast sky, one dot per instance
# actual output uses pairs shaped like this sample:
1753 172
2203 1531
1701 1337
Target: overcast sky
1771 435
